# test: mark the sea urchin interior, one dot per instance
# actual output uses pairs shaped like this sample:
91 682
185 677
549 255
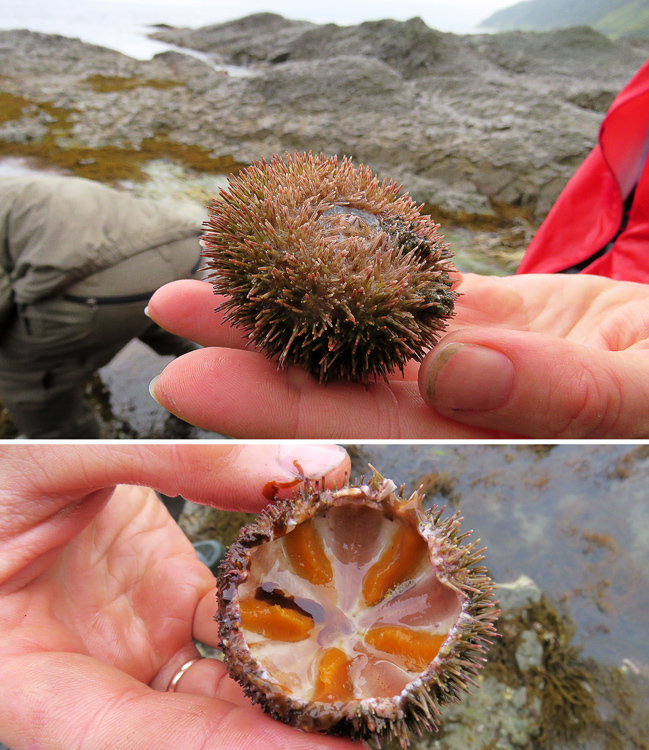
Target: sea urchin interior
354 611
325 267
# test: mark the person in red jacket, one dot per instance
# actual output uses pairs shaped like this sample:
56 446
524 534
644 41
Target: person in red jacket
600 222
560 350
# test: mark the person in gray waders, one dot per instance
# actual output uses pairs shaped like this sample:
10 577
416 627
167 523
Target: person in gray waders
78 263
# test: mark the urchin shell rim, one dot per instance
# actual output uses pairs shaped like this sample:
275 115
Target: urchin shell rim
417 708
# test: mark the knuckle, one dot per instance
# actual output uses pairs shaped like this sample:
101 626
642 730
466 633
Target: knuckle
597 409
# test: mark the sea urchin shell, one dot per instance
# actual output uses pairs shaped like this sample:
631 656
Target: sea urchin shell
354 611
326 268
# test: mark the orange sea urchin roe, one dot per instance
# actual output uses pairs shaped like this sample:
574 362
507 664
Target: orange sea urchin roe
333 682
304 548
275 622
396 565
413 648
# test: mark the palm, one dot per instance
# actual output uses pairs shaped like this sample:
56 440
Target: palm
590 310
124 590
101 594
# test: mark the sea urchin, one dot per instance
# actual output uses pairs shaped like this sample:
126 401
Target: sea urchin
354 611
325 267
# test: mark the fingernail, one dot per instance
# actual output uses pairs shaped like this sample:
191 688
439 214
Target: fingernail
146 311
152 385
310 461
470 377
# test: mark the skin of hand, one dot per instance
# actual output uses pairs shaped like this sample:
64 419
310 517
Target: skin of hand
540 356
101 594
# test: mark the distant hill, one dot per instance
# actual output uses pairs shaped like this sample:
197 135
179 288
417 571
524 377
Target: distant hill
615 18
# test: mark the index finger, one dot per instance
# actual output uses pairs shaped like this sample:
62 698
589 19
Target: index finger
228 476
187 308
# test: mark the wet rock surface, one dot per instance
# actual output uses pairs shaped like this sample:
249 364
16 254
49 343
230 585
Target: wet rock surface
467 123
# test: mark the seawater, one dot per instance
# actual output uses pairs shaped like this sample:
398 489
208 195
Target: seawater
124 26
574 518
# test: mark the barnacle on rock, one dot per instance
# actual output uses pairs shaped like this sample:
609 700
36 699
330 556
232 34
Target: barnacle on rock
325 267
354 611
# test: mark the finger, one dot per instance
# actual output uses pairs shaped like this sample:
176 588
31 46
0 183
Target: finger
58 701
187 308
228 476
206 630
209 677
243 395
186 654
490 300
205 676
537 385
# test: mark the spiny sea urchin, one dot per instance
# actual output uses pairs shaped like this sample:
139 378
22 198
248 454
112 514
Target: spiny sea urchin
354 611
327 268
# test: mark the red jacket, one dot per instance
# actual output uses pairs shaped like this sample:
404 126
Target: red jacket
589 212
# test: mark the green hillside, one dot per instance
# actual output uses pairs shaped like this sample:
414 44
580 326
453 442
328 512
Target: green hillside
632 19
614 18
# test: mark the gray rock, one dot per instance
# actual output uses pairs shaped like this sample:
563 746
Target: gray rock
496 716
260 37
517 594
530 652
465 123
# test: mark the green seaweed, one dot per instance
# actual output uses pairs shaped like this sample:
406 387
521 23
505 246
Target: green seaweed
105 84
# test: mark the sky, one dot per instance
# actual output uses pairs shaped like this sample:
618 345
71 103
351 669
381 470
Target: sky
120 24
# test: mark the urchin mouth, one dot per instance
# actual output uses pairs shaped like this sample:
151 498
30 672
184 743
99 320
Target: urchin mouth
352 215
346 607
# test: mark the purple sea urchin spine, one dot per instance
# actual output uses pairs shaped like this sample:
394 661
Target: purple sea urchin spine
325 267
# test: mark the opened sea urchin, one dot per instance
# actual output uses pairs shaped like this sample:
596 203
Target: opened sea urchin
355 612
325 267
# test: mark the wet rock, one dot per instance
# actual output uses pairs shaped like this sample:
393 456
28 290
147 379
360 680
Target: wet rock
468 124
495 716
24 130
514 595
530 652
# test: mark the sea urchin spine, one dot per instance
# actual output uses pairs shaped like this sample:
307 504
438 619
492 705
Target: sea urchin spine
355 612
325 267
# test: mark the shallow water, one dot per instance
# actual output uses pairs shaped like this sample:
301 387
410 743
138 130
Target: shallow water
131 412
574 518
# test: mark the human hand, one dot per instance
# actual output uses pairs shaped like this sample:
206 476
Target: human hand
540 356
101 595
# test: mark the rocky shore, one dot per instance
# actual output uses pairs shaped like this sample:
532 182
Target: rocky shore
476 127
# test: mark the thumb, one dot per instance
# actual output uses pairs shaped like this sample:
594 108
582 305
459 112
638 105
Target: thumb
230 476
536 385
